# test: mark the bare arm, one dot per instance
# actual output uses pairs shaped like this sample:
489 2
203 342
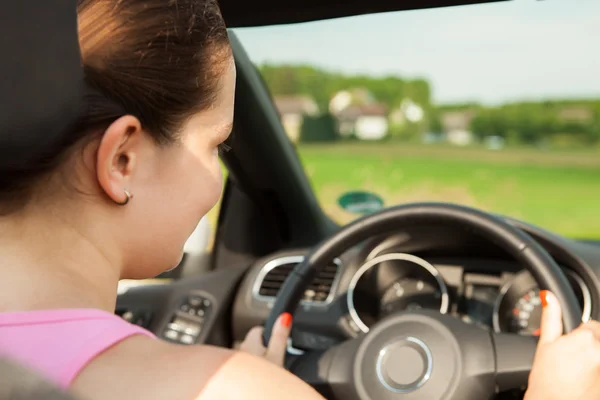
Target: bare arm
245 376
143 368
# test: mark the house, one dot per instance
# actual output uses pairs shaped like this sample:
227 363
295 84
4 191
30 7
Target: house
292 110
576 114
359 115
365 122
457 126
408 111
346 98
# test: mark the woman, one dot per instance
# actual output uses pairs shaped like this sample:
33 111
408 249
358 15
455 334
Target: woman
137 173
118 197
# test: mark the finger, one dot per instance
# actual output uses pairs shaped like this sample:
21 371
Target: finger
253 342
279 339
552 325
594 327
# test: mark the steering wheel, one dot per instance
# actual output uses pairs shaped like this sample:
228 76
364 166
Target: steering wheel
420 355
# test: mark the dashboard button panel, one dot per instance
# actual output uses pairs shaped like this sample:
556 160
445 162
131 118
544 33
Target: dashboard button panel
137 317
187 322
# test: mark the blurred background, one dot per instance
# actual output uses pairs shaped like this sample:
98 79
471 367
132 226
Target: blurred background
496 106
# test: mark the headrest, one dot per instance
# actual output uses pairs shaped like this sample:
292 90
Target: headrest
41 78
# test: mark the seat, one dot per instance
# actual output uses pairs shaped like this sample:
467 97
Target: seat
20 383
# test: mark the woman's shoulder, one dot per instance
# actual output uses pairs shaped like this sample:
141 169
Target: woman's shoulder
140 367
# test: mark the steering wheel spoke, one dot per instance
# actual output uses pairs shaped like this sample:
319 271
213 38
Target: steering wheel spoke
514 358
329 371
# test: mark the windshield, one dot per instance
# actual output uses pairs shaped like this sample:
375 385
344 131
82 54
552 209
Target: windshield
495 106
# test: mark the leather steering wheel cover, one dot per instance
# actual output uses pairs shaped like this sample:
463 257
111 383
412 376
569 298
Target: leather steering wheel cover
520 245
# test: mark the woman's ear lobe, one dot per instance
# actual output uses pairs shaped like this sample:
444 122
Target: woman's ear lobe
117 156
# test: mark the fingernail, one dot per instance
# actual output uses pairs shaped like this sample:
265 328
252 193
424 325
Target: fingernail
544 297
286 319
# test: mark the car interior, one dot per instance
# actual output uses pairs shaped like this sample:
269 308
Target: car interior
445 294
274 242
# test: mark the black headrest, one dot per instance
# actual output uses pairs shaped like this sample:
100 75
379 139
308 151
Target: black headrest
41 77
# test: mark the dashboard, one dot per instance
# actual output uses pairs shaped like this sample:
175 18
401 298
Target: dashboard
448 269
432 267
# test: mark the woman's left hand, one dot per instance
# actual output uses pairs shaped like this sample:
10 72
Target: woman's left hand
565 367
275 352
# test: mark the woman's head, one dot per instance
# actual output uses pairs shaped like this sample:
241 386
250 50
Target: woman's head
160 83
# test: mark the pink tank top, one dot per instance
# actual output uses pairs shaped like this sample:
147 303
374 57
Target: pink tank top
60 343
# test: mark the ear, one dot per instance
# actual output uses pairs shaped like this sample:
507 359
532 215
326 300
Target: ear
117 155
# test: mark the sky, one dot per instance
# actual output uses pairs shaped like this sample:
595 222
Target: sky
490 53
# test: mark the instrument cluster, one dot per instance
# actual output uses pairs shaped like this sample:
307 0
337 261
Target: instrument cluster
506 302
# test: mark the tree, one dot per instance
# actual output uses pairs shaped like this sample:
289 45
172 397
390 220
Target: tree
322 85
435 122
318 129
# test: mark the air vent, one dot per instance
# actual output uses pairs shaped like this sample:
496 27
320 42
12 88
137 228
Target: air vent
275 272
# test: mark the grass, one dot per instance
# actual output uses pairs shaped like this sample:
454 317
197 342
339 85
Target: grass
557 190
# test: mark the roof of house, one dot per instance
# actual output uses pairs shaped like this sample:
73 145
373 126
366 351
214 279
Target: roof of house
452 120
355 111
295 105
576 114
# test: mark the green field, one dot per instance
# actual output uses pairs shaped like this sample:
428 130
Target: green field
556 190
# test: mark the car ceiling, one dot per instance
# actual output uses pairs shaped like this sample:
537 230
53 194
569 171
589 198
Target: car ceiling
246 13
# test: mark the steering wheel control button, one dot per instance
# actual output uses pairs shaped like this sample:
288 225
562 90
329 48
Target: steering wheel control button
187 323
187 339
137 317
195 301
404 366
172 335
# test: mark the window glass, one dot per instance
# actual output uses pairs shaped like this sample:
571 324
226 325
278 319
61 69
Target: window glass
495 106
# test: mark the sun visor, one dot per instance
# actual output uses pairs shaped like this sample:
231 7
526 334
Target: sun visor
41 78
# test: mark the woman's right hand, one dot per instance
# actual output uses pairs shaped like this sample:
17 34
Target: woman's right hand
275 351
566 367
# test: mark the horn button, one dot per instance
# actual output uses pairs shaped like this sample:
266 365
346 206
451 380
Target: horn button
422 355
405 365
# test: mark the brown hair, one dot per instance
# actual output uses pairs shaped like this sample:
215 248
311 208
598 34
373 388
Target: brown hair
158 60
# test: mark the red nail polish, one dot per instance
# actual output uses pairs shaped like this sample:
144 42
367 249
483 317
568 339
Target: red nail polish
286 319
543 297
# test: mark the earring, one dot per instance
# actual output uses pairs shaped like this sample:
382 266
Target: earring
128 197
